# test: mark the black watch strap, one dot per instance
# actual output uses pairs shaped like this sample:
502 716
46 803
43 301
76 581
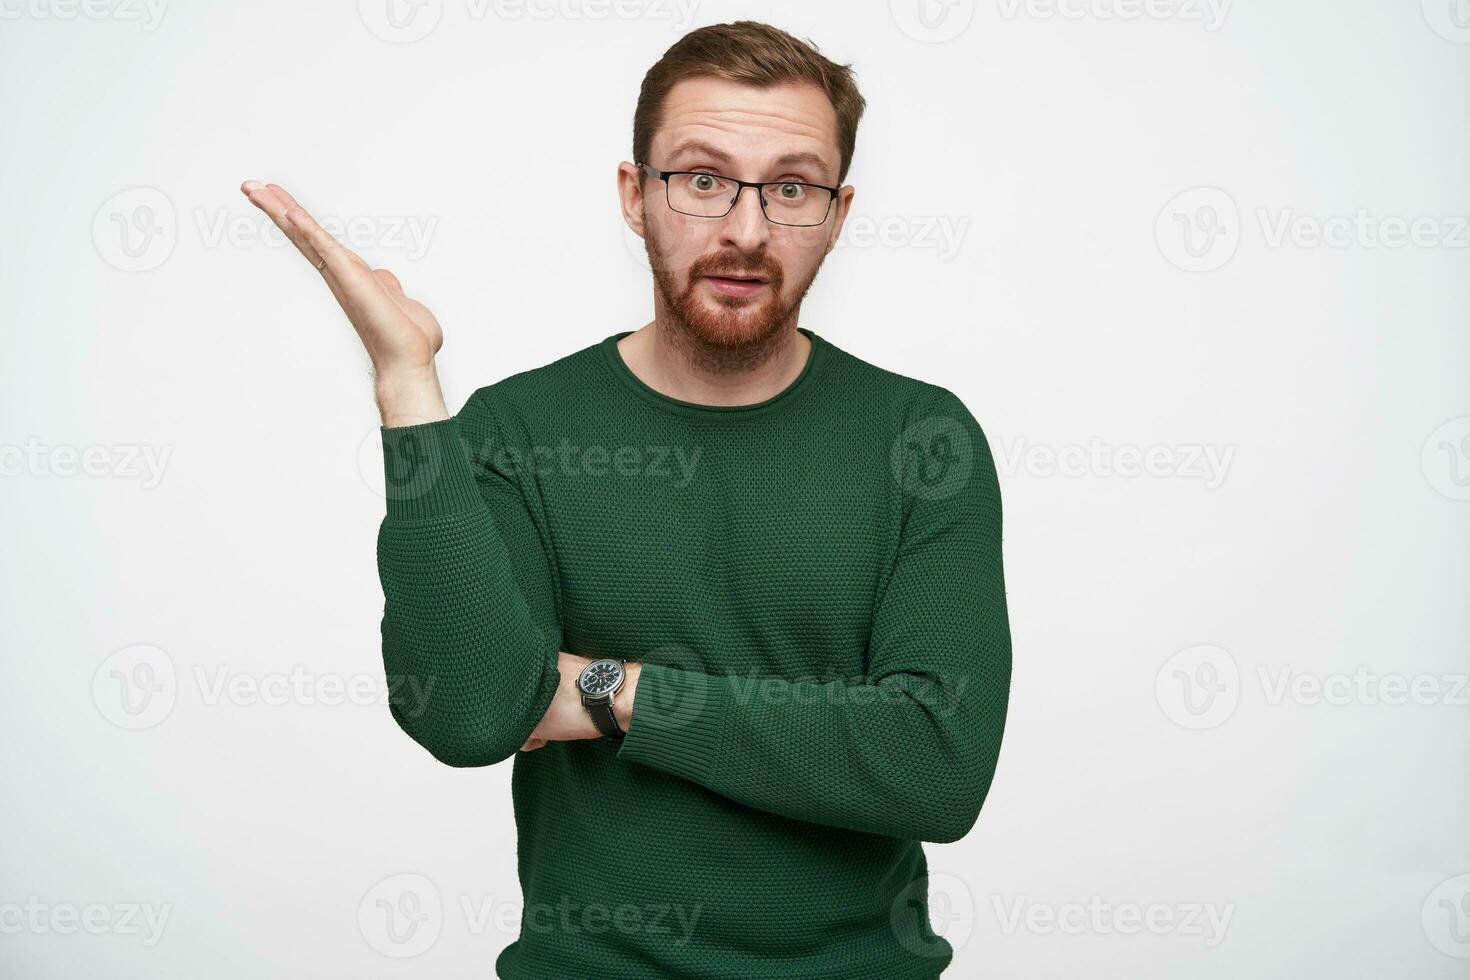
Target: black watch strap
603 717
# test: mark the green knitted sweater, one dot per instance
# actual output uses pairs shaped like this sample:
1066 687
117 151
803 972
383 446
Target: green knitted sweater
813 584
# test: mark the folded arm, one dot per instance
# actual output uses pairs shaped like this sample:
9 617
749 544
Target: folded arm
908 751
469 630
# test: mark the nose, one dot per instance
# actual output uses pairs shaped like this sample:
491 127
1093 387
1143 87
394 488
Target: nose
746 227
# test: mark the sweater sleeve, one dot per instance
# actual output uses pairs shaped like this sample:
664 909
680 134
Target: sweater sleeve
469 629
910 750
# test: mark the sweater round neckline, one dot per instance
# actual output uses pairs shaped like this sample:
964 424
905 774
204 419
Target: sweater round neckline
816 357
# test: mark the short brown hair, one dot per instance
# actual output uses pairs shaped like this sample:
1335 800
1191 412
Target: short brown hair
756 54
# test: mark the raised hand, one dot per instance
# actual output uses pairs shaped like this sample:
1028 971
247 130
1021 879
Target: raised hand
400 335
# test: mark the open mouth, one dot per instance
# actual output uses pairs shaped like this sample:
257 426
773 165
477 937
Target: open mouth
737 286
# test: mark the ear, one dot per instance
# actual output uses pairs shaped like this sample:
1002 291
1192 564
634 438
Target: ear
630 196
843 203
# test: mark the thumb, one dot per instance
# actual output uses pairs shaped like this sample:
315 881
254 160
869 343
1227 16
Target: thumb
388 279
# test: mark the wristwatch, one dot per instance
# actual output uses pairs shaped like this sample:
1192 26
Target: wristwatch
598 682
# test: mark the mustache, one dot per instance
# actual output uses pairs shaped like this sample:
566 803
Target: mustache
770 273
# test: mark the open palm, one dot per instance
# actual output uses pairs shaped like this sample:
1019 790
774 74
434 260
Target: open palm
400 334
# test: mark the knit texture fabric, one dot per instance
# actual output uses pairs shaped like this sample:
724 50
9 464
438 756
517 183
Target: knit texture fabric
814 586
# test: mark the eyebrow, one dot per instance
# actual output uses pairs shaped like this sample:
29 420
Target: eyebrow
786 159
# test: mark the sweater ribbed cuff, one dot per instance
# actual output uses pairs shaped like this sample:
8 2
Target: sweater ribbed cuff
426 471
676 726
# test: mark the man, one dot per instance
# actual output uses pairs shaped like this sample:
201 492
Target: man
734 594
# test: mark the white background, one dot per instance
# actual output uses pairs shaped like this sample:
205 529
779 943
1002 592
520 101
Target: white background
1018 235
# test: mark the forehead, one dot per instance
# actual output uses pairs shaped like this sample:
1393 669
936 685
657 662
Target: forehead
754 127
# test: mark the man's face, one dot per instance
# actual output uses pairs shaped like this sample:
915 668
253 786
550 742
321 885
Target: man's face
786 132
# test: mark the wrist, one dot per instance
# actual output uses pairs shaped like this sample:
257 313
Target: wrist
409 396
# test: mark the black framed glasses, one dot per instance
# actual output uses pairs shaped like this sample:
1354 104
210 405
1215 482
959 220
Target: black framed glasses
709 195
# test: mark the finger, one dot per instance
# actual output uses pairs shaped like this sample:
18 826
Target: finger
272 199
360 290
359 293
291 205
341 261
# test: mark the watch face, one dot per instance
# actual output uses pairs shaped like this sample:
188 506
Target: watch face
600 676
